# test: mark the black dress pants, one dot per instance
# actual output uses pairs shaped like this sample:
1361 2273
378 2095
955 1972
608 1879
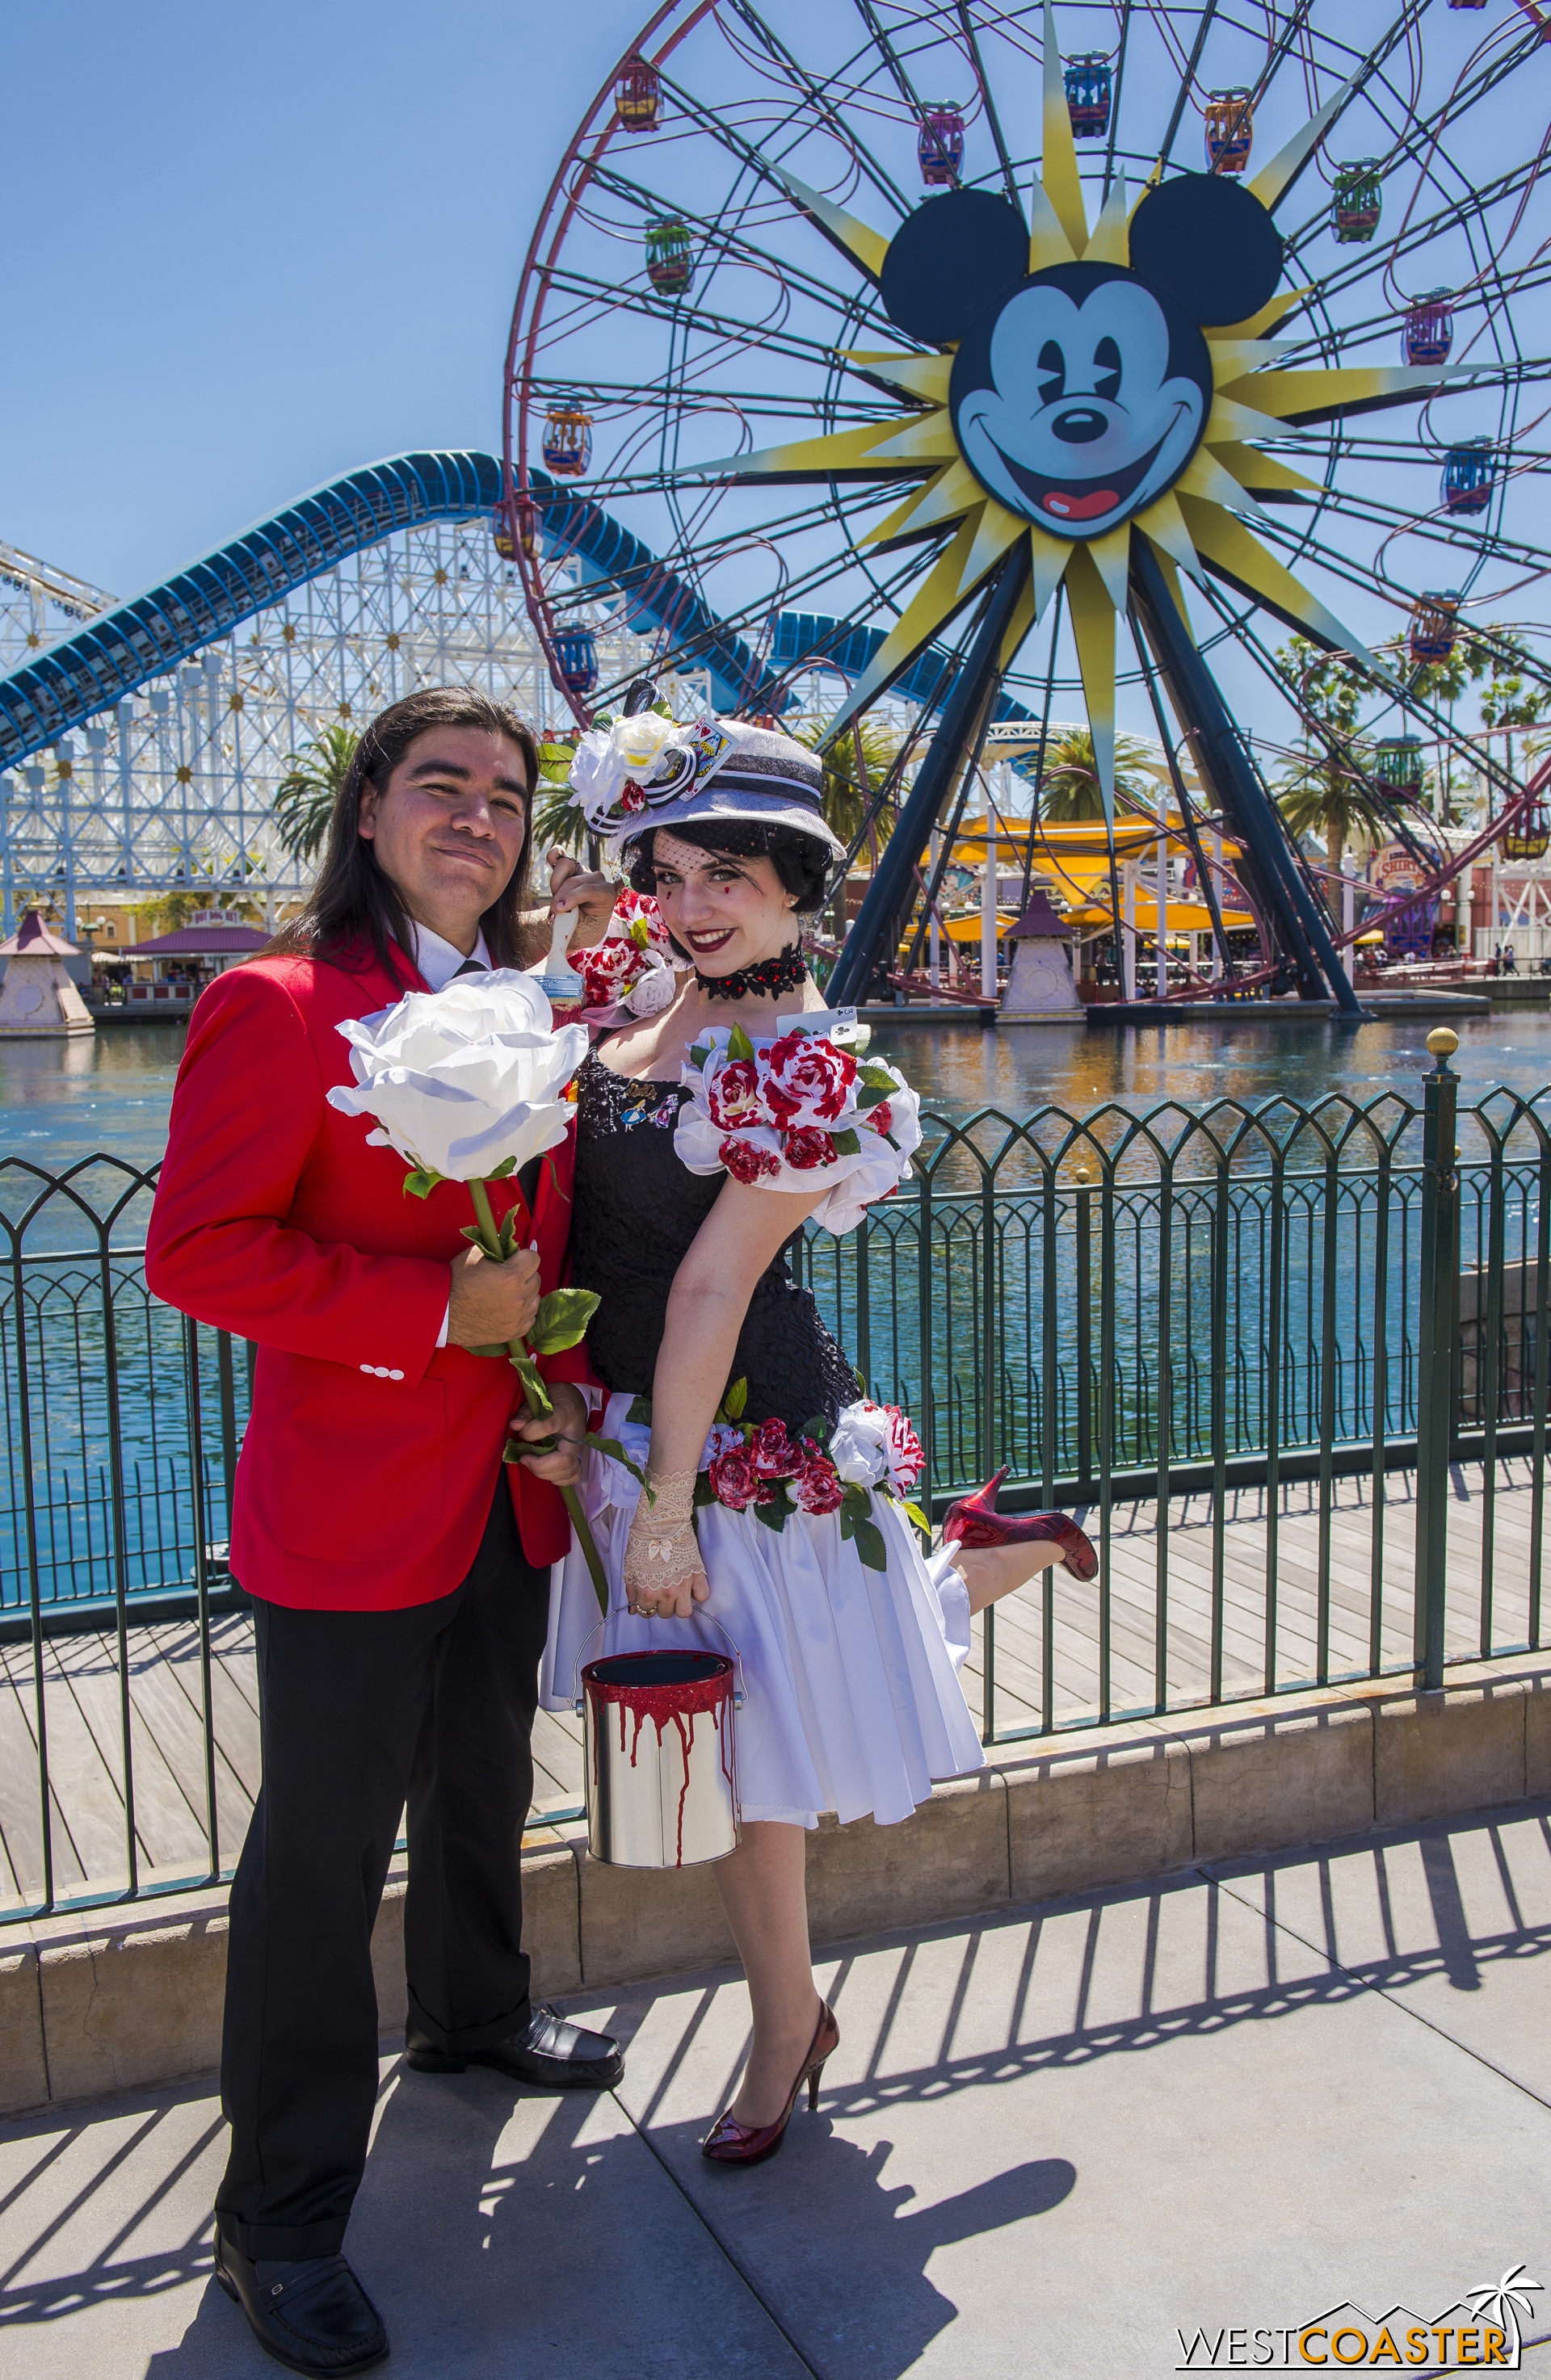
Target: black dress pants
360 1712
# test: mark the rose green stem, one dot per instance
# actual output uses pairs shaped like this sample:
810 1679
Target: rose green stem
490 1240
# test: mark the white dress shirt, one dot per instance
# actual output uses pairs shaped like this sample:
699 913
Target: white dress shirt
438 962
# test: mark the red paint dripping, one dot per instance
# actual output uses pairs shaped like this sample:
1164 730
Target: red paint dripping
664 1704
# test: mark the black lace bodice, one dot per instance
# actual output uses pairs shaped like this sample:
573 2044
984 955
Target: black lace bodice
637 1211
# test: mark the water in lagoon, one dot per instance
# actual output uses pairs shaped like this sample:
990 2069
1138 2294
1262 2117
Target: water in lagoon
66 1100
1078 1067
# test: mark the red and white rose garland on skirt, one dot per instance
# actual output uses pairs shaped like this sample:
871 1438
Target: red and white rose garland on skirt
821 1468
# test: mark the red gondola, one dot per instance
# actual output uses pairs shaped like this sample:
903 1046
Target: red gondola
1428 332
638 93
940 145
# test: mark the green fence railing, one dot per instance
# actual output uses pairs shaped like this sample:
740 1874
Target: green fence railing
1178 1322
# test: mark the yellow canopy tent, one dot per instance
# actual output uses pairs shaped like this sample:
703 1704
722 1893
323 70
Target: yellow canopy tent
1180 917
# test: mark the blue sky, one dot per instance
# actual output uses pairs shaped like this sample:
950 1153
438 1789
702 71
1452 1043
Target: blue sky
253 246
249 248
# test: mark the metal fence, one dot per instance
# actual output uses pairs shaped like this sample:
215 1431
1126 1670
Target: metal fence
1187 1314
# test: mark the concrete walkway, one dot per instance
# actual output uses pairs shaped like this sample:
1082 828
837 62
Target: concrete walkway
1049 2142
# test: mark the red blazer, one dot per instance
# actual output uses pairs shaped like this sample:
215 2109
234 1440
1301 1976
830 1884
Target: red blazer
371 1454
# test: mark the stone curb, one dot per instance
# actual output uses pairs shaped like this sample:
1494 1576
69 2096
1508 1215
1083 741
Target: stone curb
118 1999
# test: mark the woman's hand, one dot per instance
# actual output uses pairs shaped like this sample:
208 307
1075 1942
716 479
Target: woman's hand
569 1422
571 886
664 1575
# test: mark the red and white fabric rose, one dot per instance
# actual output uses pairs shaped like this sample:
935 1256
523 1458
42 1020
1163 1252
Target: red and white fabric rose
789 1110
632 971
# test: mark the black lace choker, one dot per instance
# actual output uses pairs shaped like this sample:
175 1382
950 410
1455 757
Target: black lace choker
784 973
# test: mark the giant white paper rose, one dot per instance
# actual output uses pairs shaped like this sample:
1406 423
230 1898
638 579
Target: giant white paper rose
464 1079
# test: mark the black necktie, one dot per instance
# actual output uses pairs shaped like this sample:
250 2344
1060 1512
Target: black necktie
470 966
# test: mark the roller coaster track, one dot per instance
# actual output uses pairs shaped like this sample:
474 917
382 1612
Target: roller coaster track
122 648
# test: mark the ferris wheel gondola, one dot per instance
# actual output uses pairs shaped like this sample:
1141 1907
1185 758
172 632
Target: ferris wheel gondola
720 333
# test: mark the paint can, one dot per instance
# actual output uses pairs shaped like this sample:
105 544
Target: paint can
661 1764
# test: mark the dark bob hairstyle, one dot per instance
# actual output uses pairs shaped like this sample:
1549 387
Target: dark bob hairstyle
803 864
353 903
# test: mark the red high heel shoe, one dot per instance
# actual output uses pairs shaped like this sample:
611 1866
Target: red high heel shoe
974 1522
730 2143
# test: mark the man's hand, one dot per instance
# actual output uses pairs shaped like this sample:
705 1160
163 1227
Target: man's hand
492 1303
571 886
568 1422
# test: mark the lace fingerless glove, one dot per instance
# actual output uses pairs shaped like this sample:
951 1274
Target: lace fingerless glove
661 1546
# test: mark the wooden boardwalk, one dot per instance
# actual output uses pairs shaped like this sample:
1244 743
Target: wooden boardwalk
84 1694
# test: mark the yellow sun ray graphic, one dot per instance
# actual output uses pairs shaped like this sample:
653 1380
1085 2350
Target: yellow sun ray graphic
1150 327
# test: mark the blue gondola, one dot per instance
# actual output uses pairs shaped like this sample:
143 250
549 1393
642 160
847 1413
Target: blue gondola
1088 95
576 654
568 439
1469 475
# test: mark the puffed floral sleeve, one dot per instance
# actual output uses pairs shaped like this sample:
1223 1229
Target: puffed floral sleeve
791 1112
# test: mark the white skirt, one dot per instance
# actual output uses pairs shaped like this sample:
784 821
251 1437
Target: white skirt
850 1675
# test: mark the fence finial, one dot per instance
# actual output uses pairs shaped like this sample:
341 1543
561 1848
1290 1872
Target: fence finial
1443 1044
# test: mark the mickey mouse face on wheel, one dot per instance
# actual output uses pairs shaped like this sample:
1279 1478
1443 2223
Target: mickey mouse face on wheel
1081 397
1079 393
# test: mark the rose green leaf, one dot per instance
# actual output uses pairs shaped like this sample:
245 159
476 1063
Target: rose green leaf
562 1320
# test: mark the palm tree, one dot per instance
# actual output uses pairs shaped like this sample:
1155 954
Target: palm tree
1069 789
305 797
1334 797
844 802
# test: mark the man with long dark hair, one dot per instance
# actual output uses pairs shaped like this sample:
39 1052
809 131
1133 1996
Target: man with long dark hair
400 1585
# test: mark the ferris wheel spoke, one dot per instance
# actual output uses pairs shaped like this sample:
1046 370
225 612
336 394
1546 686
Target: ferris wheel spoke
618 301
815 91
914 105
1416 704
994 121
1369 513
735 249
765 404
728 135
1187 84
1116 109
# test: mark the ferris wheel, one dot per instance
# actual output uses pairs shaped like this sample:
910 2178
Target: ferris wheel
999 361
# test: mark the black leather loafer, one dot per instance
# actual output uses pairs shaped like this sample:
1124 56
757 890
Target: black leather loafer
312 2316
551 2052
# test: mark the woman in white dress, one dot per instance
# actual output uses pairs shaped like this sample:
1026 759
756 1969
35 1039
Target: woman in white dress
708 1133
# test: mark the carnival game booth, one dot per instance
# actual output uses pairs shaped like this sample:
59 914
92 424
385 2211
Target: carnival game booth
183 962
